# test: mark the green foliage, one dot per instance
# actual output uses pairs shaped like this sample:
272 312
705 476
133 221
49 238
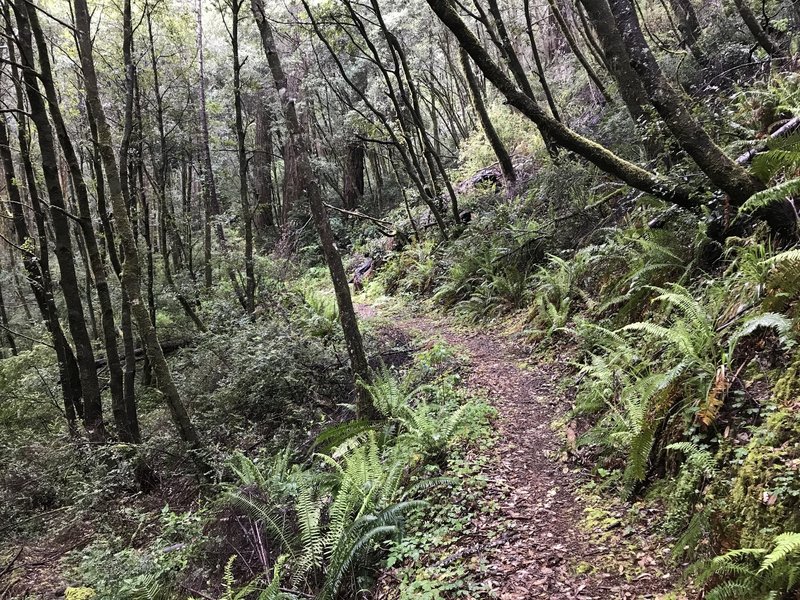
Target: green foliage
480 285
79 593
557 288
757 573
118 572
411 270
778 193
698 467
332 521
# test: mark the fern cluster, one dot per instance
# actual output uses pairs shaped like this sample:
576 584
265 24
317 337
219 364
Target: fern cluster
757 573
332 522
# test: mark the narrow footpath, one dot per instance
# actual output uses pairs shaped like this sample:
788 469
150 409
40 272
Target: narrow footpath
558 541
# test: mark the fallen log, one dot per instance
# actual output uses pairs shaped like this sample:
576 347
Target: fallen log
784 130
168 347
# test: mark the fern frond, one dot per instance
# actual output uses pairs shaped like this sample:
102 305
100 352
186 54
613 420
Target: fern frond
789 256
781 324
263 513
347 555
731 590
777 193
336 435
785 544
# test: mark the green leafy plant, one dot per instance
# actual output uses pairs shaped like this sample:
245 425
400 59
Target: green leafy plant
757 573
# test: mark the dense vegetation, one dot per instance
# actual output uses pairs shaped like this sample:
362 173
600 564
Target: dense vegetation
197 403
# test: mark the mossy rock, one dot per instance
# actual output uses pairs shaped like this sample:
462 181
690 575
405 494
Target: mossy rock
79 593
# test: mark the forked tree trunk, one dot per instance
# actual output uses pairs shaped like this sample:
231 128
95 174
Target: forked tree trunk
65 253
121 418
723 171
593 152
488 127
757 31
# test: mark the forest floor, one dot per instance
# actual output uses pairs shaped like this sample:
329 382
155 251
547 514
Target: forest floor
551 534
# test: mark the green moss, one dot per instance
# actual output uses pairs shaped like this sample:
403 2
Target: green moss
766 487
79 593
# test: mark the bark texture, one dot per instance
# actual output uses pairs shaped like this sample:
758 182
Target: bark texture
606 160
488 127
347 313
131 272
92 407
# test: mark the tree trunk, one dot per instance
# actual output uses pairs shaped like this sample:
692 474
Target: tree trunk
92 407
617 59
576 50
131 273
121 419
353 174
761 36
688 26
247 221
347 314
38 268
210 202
538 61
595 153
488 128
4 322
263 220
670 105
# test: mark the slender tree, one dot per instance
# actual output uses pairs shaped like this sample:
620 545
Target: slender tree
723 171
347 314
761 36
488 127
606 160
244 199
122 421
92 407
131 272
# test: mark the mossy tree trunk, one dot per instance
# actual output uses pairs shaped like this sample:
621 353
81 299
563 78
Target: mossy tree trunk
131 271
341 287
64 249
761 36
723 171
603 158
488 127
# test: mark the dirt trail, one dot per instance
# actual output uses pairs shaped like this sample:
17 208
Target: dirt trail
556 543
